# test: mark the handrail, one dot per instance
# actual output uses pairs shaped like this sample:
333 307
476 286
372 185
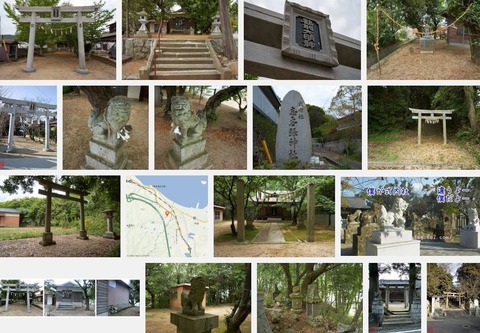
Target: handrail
157 46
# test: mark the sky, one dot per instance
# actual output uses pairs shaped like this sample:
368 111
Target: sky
46 94
345 15
319 96
8 28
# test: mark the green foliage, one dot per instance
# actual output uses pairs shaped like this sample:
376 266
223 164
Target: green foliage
212 117
292 165
316 115
348 100
328 126
264 129
465 134
32 232
248 76
439 280
201 12
115 253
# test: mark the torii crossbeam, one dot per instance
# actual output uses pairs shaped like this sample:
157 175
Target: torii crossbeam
433 116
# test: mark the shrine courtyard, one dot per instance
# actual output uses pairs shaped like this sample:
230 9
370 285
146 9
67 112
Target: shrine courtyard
448 62
19 309
28 154
272 239
60 65
399 150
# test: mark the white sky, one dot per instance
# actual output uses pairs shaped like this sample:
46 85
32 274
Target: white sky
8 28
320 96
6 196
344 14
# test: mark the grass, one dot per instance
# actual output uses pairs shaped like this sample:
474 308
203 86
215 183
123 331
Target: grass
31 232
384 154
383 137
228 237
292 234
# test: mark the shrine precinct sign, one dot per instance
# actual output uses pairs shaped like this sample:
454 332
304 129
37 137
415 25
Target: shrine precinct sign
307 35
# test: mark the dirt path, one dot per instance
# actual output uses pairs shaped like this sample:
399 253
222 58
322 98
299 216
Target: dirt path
448 62
76 133
132 67
20 309
226 139
294 249
56 66
158 320
67 246
405 153
27 154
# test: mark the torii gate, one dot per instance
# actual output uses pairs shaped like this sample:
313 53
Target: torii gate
20 288
431 116
17 106
56 17
47 238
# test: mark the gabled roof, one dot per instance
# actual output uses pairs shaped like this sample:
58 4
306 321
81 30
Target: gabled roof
10 210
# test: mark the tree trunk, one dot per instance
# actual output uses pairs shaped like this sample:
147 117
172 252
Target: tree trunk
98 96
242 307
181 90
227 36
374 283
288 276
412 281
221 96
127 12
171 91
474 44
470 100
232 205
312 274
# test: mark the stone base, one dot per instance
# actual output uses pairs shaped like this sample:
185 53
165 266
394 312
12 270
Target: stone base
427 45
470 238
110 235
30 70
82 235
406 248
103 156
47 239
391 236
82 71
194 324
188 156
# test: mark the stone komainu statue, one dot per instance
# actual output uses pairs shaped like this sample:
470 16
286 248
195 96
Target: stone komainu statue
110 125
192 300
187 124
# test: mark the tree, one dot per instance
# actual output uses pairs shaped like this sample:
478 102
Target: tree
134 295
221 96
224 188
470 101
242 307
468 276
227 36
471 21
98 96
88 289
348 100
439 280
201 12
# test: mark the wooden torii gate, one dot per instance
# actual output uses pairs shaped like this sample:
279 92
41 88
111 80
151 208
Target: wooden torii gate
56 17
432 116
49 187
19 288
16 106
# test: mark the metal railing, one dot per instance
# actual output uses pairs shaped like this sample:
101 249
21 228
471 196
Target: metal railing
157 46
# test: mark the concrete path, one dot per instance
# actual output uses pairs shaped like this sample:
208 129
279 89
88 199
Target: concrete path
27 163
454 322
435 248
270 233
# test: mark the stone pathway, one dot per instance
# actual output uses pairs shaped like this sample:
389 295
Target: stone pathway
435 248
270 233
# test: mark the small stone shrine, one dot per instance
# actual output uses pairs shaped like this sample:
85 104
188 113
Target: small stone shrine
262 322
294 138
297 300
392 239
192 318
307 35
470 235
313 303
107 150
188 150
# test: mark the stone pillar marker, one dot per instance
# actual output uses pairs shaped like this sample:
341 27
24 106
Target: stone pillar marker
7 299
82 66
110 234
377 309
240 210
188 143
416 310
313 303
294 138
192 318
297 300
311 212
47 237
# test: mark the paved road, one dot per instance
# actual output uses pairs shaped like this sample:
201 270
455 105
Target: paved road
459 322
270 233
436 248
27 163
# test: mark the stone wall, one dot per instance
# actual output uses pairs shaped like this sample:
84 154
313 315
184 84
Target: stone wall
138 48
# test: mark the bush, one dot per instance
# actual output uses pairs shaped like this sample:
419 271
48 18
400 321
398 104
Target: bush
465 134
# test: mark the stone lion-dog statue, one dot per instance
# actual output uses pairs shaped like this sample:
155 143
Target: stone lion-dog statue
192 300
186 125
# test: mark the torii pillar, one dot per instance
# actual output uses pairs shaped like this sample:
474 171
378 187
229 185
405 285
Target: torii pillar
11 130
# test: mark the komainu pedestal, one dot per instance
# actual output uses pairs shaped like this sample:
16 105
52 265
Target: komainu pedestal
188 155
105 156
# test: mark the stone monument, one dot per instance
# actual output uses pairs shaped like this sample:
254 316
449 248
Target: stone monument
192 318
188 144
110 234
109 134
262 322
427 42
353 222
142 31
297 300
294 138
313 303
470 235
392 238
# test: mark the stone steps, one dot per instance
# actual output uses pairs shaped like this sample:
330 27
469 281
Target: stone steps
64 306
186 75
183 60
397 318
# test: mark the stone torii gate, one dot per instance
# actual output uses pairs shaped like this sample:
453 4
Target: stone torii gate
19 288
431 116
16 106
56 17
49 187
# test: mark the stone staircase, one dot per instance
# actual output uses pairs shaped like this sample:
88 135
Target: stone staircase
183 60
397 318
65 306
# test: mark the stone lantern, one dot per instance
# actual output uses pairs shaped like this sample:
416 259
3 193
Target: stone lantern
143 21
216 32
110 234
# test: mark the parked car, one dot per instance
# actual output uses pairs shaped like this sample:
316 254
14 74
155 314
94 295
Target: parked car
112 53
